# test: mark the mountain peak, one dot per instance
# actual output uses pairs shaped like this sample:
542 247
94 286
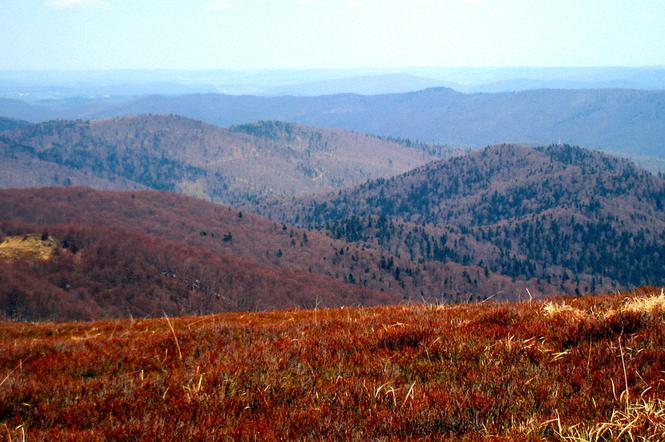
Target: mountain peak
544 213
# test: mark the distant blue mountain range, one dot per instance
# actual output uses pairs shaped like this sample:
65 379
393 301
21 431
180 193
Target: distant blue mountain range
630 122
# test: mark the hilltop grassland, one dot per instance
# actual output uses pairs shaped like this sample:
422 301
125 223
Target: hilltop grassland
31 247
579 368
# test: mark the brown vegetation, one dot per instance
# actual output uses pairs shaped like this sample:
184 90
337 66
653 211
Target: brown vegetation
230 233
81 273
566 368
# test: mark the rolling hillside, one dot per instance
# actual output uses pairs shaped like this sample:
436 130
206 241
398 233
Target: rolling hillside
216 232
622 120
506 222
116 254
245 163
558 214
84 272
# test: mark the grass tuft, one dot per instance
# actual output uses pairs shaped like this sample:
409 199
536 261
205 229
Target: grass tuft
640 421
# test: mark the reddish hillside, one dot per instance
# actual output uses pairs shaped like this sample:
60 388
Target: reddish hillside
588 368
225 231
93 273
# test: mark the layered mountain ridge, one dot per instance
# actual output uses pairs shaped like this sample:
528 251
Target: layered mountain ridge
620 120
502 222
171 153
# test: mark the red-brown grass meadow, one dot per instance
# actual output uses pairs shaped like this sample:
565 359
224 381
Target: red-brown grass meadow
587 368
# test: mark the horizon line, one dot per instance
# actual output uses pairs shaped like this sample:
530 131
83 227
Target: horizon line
304 69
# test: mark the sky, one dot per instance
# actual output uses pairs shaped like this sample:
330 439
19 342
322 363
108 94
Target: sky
324 34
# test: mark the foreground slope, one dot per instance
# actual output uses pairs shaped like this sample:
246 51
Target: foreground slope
559 214
586 367
171 153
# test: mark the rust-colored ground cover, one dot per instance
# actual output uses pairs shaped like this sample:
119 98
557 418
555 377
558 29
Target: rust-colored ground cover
584 367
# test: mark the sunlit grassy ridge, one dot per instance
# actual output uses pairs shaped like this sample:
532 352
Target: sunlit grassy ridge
30 246
583 367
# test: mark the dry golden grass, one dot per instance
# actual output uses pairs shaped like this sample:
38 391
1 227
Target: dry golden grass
649 304
30 246
641 421
553 310
653 304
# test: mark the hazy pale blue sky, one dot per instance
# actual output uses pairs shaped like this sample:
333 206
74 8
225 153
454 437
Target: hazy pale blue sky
230 34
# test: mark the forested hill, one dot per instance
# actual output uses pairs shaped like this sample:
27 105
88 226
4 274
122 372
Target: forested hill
79 271
177 154
74 253
552 213
113 250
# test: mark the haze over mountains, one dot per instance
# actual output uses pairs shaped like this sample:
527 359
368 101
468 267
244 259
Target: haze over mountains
44 85
9 123
241 164
629 122
298 220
